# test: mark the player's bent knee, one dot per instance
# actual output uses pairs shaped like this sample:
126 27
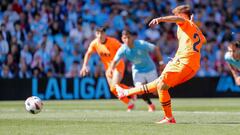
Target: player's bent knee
161 85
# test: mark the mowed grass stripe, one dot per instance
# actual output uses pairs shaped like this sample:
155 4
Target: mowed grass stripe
109 117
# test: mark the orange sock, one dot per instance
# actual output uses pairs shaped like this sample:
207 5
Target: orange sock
143 89
165 100
124 100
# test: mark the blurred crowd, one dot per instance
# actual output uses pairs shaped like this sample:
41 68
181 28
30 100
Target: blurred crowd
48 38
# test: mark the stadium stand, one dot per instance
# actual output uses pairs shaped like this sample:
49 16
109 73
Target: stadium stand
48 38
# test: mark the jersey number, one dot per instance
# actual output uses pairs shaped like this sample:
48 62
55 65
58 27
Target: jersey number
196 36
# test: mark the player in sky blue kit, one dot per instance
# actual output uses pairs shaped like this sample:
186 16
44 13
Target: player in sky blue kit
233 59
143 67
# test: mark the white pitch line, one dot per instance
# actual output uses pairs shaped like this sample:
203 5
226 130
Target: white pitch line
195 112
137 111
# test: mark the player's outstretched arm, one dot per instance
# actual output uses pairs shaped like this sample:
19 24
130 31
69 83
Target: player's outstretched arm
171 19
235 74
84 71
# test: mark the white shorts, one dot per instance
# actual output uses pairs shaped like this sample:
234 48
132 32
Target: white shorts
143 78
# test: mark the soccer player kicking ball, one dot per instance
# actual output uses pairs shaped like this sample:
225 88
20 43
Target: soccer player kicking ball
106 47
233 59
181 68
143 67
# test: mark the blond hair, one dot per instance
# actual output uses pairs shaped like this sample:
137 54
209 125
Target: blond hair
183 9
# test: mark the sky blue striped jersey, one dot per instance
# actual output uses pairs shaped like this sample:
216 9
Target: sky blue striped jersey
233 62
138 55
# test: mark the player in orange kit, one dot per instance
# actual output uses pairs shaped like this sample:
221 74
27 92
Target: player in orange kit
181 68
106 47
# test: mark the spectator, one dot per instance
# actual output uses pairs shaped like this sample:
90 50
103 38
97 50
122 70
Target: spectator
57 33
76 34
29 41
13 15
74 70
15 52
23 72
206 69
6 34
4 49
37 66
6 73
58 65
19 33
12 65
37 72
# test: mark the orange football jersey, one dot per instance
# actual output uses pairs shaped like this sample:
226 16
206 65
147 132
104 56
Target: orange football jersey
191 40
107 51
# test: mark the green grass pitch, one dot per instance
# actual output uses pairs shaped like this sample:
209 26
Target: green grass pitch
204 116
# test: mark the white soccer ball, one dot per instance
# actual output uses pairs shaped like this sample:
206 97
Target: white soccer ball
33 104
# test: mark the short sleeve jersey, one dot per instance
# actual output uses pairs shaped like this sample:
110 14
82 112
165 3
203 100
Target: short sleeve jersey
107 51
191 40
232 61
138 55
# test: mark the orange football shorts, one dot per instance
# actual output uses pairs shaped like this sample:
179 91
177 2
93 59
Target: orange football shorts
176 73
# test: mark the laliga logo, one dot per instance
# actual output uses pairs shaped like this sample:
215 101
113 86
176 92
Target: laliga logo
85 88
226 83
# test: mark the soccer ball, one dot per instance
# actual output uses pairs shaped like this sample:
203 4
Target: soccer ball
33 104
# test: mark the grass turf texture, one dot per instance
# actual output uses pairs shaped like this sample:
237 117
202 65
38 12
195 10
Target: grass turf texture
215 116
